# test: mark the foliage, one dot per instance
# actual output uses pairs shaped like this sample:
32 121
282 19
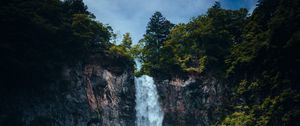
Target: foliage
157 30
124 49
238 119
263 65
192 48
258 54
127 41
39 37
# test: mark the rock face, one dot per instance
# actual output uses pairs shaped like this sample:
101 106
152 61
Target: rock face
88 95
193 102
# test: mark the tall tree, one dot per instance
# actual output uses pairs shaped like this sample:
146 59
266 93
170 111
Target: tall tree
157 30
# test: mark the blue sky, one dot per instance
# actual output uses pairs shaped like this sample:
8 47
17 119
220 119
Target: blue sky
133 15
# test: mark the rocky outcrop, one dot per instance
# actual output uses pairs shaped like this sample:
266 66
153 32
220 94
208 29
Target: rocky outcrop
192 102
88 95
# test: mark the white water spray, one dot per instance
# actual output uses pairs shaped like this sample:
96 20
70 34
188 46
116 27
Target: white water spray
148 111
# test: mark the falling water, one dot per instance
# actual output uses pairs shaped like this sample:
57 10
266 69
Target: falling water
148 111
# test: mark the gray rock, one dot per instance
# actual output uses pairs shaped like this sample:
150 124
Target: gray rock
88 95
191 102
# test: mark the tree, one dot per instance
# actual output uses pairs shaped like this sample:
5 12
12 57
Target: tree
264 66
158 29
127 41
203 43
75 7
39 37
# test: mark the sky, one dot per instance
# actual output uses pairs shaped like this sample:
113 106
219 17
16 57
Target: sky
133 15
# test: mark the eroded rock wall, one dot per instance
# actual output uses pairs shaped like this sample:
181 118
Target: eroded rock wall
88 95
192 102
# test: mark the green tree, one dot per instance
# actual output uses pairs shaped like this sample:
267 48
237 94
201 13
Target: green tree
41 36
75 7
264 65
202 44
126 41
157 30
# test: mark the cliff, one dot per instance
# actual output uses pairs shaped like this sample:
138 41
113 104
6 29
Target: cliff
87 95
191 102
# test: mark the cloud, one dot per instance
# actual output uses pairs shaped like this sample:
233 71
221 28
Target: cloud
133 15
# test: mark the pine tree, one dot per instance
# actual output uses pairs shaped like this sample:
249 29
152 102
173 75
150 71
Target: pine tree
157 30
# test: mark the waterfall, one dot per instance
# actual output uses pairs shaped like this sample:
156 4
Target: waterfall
148 111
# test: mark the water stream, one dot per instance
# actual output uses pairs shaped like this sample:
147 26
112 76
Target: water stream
148 111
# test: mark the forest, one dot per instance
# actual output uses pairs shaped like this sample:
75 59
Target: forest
256 54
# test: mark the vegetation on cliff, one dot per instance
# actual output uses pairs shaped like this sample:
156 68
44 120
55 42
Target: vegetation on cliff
201 44
258 54
39 37
157 31
264 66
